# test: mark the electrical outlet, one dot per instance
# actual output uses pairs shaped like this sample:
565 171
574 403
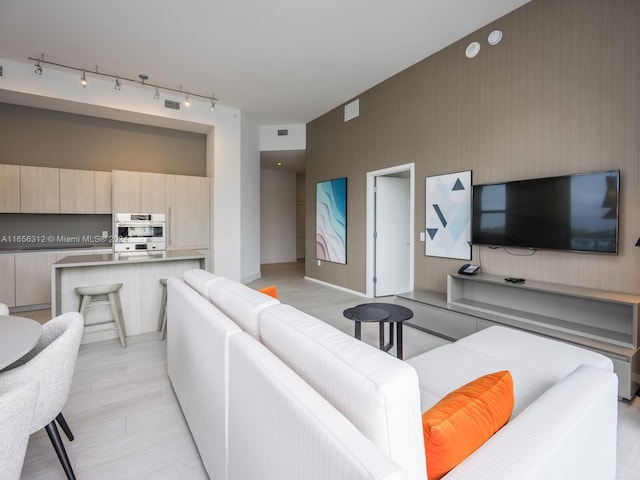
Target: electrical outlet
318 262
105 234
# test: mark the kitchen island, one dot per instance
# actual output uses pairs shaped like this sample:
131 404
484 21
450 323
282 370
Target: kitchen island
141 291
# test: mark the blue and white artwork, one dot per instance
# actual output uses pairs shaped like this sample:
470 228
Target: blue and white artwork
448 230
331 221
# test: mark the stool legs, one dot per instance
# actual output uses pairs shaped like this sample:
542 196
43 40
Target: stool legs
92 296
116 310
162 321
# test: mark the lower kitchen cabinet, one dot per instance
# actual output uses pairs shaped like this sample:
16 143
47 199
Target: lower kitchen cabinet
7 284
33 278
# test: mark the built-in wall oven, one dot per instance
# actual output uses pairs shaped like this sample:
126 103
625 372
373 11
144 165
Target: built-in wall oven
139 232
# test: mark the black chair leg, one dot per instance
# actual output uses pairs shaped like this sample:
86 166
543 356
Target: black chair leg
65 427
58 446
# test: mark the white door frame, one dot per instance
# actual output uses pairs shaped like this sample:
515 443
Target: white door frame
370 262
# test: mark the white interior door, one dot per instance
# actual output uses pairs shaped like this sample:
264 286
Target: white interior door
392 235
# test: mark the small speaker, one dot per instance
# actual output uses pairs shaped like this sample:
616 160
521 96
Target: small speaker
283 132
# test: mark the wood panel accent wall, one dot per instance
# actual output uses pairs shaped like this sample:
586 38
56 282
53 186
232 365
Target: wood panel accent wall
44 138
560 94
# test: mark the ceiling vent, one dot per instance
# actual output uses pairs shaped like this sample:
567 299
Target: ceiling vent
172 104
283 132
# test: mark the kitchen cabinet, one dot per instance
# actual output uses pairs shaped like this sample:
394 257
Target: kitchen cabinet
77 191
187 211
126 192
9 189
7 284
33 278
39 190
102 198
153 193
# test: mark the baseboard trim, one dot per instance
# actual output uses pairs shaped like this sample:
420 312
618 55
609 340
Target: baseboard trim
337 287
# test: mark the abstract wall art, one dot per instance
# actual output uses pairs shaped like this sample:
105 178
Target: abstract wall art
448 230
331 221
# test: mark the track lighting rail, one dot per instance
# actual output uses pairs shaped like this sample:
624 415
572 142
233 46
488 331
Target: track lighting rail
142 80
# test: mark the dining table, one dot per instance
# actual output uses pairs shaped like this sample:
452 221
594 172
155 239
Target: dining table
18 335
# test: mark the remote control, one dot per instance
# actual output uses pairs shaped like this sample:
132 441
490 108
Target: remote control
514 280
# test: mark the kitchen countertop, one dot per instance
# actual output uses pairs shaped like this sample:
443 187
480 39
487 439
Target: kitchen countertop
119 259
55 249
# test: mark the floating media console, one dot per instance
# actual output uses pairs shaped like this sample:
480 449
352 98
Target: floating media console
606 322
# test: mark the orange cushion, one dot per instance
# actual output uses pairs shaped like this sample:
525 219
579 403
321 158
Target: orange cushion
463 420
272 291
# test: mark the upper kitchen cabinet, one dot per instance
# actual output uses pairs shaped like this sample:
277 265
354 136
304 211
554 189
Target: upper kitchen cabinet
102 199
187 211
153 193
39 190
126 192
77 191
9 188
138 192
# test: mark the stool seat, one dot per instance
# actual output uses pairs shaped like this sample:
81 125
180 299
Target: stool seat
94 295
99 289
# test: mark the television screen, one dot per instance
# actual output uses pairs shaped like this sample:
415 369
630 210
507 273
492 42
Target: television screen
571 212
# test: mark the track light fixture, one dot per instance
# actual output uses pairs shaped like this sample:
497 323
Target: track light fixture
118 81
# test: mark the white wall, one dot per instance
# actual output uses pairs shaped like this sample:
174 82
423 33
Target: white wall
250 201
277 216
296 139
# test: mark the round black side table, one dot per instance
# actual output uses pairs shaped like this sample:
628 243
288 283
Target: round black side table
381 313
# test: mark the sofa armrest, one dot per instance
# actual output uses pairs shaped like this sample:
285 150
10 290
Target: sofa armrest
569 432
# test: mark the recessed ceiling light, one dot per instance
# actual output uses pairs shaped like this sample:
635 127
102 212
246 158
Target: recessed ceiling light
472 49
494 37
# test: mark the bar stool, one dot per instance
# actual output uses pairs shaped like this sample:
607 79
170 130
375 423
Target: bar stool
104 295
162 321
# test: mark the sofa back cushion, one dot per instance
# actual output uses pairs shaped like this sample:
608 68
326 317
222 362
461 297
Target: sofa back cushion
241 303
281 428
200 280
375 391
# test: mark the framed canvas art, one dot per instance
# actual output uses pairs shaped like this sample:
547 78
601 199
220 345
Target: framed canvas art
448 227
331 220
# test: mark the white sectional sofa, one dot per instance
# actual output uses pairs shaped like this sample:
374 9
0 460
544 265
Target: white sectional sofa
270 392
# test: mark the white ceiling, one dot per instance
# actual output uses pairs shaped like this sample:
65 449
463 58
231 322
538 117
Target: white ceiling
280 61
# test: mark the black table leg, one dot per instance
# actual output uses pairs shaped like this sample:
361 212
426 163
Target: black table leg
388 346
358 332
399 337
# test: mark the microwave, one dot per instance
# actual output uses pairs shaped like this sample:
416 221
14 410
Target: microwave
139 232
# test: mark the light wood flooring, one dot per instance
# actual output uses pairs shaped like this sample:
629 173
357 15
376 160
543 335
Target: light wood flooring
128 424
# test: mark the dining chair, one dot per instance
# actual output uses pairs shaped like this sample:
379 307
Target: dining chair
4 310
16 414
51 363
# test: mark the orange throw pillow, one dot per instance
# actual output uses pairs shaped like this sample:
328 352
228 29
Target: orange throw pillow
464 419
271 291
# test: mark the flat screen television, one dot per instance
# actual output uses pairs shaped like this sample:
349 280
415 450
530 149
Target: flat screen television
570 212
